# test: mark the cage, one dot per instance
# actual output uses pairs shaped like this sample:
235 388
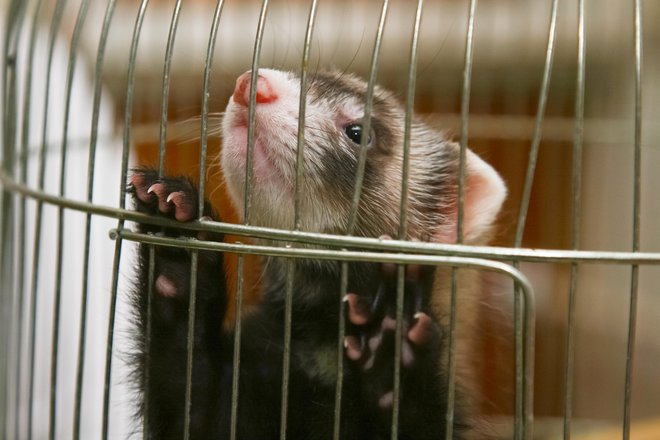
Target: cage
549 93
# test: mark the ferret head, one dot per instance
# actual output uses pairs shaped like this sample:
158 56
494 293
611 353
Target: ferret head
332 133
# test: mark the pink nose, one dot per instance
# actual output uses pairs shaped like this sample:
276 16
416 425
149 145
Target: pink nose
265 90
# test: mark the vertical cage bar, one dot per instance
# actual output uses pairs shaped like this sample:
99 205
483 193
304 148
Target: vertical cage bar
538 126
206 95
362 159
637 201
341 336
146 434
529 326
302 108
249 166
410 108
73 52
200 207
465 113
236 359
162 145
128 118
91 161
366 120
576 214
247 200
403 216
22 232
192 304
8 297
286 361
164 104
451 359
398 334
465 116
54 26
527 190
291 264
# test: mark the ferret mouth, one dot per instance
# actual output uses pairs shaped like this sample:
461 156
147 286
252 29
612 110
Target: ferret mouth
237 116
265 160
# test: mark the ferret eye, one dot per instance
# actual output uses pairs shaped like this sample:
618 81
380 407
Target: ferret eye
354 133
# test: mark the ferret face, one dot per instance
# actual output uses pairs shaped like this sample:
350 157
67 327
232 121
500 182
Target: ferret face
333 130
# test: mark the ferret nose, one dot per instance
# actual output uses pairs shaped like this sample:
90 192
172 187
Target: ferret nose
265 90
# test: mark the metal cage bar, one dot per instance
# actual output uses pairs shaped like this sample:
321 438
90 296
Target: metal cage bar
128 118
576 215
20 287
453 308
91 168
637 204
73 52
55 23
403 218
9 129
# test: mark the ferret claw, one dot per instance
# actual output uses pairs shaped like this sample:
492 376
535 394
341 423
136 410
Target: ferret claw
353 348
387 400
357 309
184 209
422 330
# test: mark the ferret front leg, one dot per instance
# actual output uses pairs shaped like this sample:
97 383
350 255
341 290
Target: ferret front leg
162 319
370 346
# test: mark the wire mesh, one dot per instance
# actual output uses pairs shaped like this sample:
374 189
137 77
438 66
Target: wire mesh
25 191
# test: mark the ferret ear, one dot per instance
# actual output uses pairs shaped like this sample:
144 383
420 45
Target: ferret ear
485 192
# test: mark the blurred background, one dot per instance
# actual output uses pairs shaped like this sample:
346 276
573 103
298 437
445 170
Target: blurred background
509 54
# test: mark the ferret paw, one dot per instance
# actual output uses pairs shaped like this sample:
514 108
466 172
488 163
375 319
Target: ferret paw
173 197
370 340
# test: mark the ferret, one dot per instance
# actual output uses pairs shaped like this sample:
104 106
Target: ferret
333 132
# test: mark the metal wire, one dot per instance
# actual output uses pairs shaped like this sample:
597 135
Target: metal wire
236 361
527 190
339 388
403 217
34 297
200 207
330 240
147 342
637 197
465 112
96 104
73 52
366 119
25 133
538 126
576 215
128 118
249 166
192 304
8 299
200 202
